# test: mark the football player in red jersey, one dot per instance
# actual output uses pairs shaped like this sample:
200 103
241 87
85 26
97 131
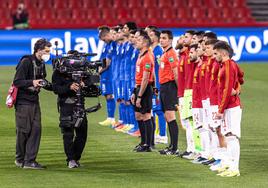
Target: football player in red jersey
229 107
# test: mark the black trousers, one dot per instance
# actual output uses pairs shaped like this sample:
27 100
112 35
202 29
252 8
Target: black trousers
28 132
74 139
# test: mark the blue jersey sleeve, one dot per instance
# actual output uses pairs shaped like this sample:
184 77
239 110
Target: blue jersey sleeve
158 51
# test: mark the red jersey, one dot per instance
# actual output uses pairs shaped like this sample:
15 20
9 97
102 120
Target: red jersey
227 80
144 63
181 73
209 63
202 79
213 90
189 68
196 98
168 61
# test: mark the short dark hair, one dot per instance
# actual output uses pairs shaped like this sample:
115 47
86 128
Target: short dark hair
192 32
152 27
156 32
146 37
211 42
41 44
103 30
133 31
199 33
131 25
195 46
103 27
210 35
222 45
168 32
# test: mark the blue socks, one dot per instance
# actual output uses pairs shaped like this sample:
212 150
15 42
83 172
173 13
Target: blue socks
162 123
110 107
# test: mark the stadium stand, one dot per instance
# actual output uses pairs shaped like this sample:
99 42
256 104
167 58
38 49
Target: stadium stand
162 13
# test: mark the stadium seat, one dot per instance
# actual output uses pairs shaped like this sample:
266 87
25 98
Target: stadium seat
138 15
150 3
243 15
74 4
60 4
104 4
64 16
153 14
123 15
134 4
119 4
223 3
107 14
89 4
213 15
182 14
198 14
169 15
165 3
226 14
238 3
194 3
210 4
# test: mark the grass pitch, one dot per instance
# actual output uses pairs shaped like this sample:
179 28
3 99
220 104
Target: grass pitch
108 160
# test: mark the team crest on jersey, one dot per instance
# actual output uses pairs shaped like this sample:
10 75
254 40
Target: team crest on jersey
171 59
147 66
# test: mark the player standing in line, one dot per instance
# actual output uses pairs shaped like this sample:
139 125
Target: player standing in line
121 78
202 124
106 78
186 112
133 59
157 107
142 96
129 26
196 52
229 107
211 92
168 79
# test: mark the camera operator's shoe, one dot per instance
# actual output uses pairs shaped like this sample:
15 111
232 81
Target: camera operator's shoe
33 165
73 164
19 163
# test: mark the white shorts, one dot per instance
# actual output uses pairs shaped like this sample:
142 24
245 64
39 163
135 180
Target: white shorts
214 123
197 117
232 121
206 108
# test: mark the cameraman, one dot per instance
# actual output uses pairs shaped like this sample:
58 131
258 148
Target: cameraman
74 138
29 78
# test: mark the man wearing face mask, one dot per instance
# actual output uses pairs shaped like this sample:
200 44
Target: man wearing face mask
29 78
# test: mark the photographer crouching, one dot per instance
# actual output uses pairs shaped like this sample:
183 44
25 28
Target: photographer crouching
29 79
74 136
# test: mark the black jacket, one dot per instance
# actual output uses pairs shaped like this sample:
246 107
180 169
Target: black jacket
24 79
61 85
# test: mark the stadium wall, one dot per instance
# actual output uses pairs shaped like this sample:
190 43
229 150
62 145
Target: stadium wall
249 44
